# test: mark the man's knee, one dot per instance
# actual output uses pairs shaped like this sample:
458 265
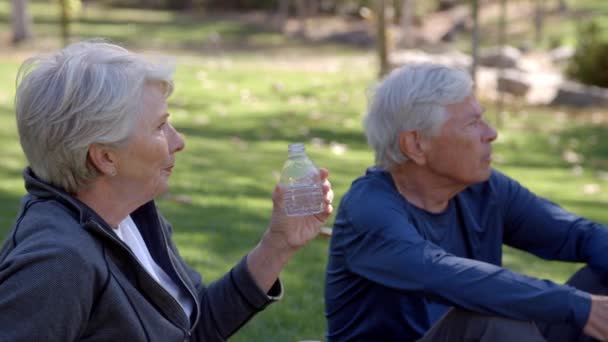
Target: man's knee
590 280
465 325
505 329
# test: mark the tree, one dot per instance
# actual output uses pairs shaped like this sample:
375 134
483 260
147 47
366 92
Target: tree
381 39
68 10
475 42
407 16
443 5
502 38
21 22
539 15
306 9
282 14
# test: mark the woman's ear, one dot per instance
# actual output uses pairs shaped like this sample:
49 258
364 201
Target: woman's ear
412 145
103 158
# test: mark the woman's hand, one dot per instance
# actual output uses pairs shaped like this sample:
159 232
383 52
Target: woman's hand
285 235
293 232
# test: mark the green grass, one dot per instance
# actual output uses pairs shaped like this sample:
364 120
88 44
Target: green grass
238 113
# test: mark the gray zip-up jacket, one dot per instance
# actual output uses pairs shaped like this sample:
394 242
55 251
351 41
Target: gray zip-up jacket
65 276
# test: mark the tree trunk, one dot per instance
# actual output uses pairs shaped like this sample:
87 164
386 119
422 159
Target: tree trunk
64 22
397 10
407 16
302 16
502 39
21 22
282 15
475 43
381 39
539 14
444 5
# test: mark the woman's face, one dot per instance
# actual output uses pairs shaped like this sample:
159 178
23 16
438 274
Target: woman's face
145 163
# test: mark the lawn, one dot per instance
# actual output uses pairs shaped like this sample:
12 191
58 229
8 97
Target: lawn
239 112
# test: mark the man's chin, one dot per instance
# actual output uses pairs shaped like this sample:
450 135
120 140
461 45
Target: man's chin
482 176
486 175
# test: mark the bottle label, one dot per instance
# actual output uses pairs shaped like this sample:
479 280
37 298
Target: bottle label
303 199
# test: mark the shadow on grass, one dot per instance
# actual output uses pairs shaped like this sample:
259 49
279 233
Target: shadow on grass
290 131
590 141
546 150
211 32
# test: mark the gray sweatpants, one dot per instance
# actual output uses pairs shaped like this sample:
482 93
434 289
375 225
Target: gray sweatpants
466 326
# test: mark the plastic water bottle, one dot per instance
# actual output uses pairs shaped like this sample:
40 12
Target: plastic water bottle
303 188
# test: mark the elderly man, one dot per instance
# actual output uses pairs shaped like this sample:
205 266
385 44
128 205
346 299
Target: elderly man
416 253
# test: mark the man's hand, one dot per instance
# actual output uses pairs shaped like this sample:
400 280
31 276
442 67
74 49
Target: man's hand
597 323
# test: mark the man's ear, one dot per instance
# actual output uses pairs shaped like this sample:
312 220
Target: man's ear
103 158
412 145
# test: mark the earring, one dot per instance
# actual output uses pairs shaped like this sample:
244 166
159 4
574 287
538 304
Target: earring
113 173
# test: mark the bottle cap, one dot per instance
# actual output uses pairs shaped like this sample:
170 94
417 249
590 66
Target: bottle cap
295 148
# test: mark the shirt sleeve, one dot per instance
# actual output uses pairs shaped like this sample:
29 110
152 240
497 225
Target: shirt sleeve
46 290
229 302
386 248
234 299
543 228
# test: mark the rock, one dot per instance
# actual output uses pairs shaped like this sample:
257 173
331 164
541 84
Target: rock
453 58
579 95
513 82
543 86
459 25
561 54
505 57
357 37
444 5
440 25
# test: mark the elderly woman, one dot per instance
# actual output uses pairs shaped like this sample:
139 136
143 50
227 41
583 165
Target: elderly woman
90 257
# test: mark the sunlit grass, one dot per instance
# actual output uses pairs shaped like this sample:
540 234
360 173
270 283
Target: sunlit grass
239 111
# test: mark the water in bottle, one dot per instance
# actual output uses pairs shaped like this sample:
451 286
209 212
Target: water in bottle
303 190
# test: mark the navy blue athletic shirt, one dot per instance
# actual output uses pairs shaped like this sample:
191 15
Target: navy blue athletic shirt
394 269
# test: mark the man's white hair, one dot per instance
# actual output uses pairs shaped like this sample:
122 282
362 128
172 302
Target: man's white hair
412 97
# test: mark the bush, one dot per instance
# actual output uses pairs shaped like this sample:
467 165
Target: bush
589 64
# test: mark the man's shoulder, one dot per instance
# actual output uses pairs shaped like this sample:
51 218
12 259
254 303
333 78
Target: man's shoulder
371 204
374 187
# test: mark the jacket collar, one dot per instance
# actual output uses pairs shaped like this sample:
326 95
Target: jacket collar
145 215
39 189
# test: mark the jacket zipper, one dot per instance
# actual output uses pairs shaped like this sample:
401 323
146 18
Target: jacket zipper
124 246
197 304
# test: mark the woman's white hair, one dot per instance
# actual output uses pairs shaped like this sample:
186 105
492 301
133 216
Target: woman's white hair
410 98
88 93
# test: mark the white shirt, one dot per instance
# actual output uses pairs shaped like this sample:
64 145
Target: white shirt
127 231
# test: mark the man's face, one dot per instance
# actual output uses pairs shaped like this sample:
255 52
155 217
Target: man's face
462 150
